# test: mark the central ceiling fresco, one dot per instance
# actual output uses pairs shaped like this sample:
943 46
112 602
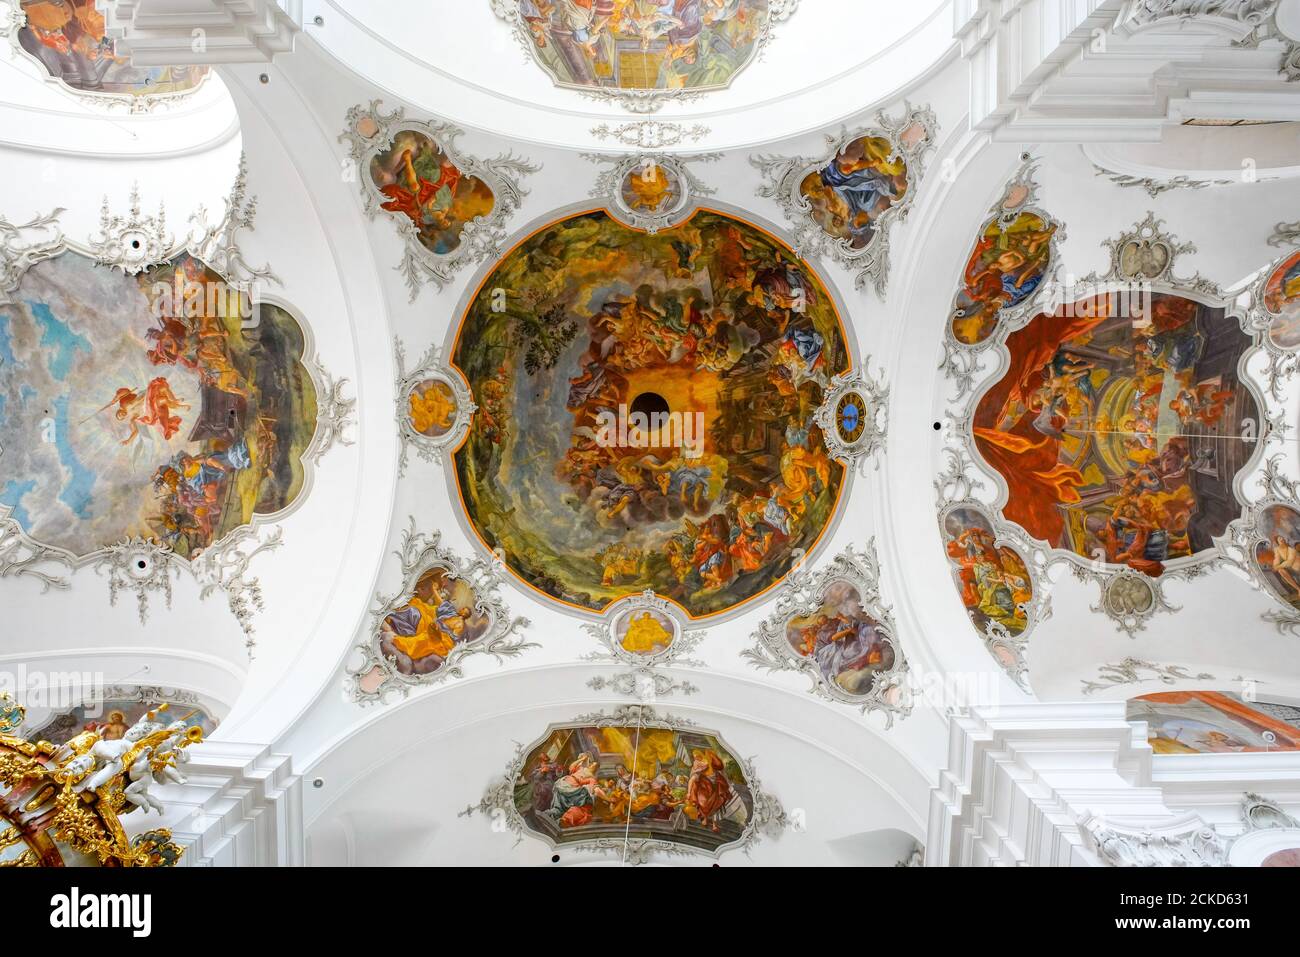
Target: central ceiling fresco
647 411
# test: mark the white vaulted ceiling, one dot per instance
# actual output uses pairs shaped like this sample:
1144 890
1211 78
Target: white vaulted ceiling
385 782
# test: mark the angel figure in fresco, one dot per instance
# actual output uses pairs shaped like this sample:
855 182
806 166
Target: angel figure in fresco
708 789
153 407
431 410
1286 562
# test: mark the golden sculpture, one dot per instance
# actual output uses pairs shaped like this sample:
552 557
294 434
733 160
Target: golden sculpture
61 804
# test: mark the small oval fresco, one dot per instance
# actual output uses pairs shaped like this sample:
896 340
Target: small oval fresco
67 38
1278 556
1282 301
443 612
425 185
651 188
849 646
643 631
166 405
431 408
848 195
628 783
1117 427
1005 268
1214 722
644 44
995 585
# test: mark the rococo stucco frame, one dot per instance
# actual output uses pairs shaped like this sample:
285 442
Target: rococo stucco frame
498 803
133 243
783 176
375 678
1143 260
480 238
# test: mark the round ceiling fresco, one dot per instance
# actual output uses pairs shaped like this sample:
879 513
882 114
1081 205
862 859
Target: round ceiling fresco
644 45
646 411
1119 431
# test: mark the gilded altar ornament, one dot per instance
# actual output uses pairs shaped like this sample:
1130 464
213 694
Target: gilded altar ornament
62 804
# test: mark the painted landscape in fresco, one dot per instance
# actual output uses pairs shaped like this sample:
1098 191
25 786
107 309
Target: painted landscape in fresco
849 194
442 613
422 184
1005 268
1213 722
588 783
1119 431
67 37
147 406
1282 301
111 717
995 585
645 44
712 328
848 645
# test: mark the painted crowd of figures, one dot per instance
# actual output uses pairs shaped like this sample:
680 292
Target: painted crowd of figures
584 782
644 44
715 320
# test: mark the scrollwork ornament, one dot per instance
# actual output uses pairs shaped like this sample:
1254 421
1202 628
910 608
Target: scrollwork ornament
1283 359
217 243
651 134
854 417
336 413
375 677
1154 187
450 420
132 242
24 245
911 136
370 131
1259 17
1143 264
1186 842
643 679
142 566
224 567
800 596
1131 671
667 179
768 818
21 556
1285 234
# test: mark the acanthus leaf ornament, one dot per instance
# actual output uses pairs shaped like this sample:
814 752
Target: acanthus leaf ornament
907 138
371 134
1132 670
434 406
24 245
416 641
336 413
651 134
842 597
133 242
142 566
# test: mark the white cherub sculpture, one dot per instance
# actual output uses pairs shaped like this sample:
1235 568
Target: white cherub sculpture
141 775
108 754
